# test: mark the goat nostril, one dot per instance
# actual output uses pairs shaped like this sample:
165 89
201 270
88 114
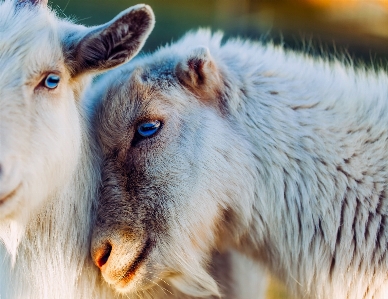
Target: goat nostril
103 255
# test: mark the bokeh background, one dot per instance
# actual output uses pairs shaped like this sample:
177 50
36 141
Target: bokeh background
358 28
355 29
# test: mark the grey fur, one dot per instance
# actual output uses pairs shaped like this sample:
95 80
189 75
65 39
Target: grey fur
287 161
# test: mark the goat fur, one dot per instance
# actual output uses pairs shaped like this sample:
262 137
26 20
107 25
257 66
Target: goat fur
47 146
47 138
276 153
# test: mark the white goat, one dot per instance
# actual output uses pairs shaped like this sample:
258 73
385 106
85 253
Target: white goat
49 172
279 154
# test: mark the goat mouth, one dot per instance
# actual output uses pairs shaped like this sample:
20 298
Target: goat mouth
131 271
10 194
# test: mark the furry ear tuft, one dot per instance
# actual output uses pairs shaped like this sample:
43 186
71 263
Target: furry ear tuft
107 46
198 72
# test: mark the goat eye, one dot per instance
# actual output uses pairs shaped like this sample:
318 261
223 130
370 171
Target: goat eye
149 128
52 81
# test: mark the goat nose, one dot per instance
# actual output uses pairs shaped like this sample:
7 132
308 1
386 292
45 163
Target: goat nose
101 254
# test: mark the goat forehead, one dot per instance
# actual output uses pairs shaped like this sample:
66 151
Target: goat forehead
138 94
28 39
160 70
24 22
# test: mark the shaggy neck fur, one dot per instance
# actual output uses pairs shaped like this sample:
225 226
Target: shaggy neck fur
47 254
318 134
53 259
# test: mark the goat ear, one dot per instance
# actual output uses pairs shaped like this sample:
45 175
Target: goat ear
198 72
113 43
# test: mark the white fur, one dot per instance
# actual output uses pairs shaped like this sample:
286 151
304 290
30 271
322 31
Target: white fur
298 163
45 144
323 114
46 148
47 164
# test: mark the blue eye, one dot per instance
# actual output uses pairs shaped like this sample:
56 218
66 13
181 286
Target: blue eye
149 128
52 81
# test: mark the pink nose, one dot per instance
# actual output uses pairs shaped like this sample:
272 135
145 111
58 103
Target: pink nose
101 254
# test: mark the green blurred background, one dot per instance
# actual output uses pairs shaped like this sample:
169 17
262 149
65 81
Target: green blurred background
356 28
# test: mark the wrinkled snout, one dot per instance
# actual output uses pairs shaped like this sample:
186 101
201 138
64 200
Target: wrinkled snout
119 256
